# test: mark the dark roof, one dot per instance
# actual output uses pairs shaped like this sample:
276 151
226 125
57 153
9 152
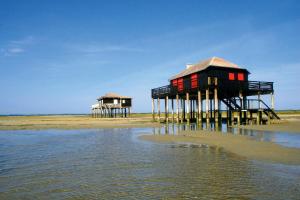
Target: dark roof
113 96
214 61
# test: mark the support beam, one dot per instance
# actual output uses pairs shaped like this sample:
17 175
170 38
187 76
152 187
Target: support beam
272 101
172 105
167 109
207 105
259 99
153 110
183 117
158 108
216 103
188 107
177 107
199 107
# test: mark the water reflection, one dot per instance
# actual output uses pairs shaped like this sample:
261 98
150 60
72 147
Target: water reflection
113 164
282 138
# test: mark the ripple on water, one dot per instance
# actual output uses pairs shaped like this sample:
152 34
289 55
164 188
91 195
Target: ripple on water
112 164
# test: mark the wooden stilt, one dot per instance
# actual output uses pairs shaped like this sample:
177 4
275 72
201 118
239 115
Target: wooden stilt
167 109
199 107
207 105
158 108
183 111
153 110
188 107
272 101
216 104
177 108
172 105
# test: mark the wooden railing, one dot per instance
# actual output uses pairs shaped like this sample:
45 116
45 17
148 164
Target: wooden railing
252 86
260 86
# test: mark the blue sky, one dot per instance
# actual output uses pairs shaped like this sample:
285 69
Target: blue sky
59 56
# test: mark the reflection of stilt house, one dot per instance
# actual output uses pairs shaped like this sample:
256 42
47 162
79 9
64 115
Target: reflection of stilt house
112 105
214 80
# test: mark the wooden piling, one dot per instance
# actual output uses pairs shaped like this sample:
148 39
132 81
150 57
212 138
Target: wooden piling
177 107
172 105
167 109
272 101
207 105
216 102
153 109
188 107
199 107
158 108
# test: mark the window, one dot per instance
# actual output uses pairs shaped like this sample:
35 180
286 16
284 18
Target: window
231 76
241 77
194 80
174 83
180 84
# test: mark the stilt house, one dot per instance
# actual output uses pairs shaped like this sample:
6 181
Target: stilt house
112 105
215 80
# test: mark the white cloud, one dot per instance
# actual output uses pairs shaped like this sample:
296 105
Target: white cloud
15 47
15 50
24 41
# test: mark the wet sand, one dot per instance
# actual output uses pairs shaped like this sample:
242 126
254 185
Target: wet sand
72 122
240 145
288 123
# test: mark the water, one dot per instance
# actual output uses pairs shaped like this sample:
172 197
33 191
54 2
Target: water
115 164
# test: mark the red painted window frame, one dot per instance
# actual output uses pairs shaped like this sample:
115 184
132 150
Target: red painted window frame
231 76
175 82
180 84
241 76
194 81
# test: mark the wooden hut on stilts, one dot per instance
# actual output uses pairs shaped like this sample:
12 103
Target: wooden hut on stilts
112 105
199 91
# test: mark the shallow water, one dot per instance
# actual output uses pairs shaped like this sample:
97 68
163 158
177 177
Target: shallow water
115 164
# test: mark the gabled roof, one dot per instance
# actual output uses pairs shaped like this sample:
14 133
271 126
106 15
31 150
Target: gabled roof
114 96
214 61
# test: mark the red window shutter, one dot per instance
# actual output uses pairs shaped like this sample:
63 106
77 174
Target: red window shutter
174 82
194 80
241 77
231 76
180 84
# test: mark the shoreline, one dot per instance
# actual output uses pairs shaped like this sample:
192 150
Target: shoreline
72 122
290 122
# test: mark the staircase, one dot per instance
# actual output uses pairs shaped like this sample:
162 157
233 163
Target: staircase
235 105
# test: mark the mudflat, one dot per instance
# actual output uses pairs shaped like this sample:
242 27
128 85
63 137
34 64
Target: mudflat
238 144
72 122
288 123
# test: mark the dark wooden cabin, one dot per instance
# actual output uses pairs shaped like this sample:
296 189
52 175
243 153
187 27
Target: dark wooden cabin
215 80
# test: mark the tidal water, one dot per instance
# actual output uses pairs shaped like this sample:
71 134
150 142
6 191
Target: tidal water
115 164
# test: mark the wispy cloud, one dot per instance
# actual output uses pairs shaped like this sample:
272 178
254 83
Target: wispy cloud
24 41
16 50
15 47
